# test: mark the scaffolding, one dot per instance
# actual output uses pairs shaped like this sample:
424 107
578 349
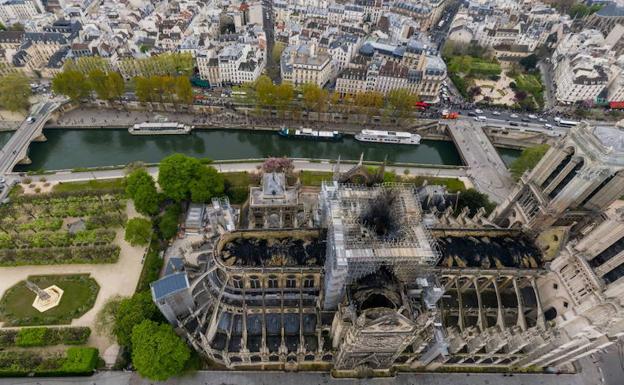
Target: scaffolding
355 250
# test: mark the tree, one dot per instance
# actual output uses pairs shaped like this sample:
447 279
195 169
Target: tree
284 165
14 91
284 94
72 84
400 102
175 174
184 90
474 200
530 62
182 177
140 187
276 52
314 97
138 231
206 183
157 352
115 85
105 318
131 312
528 159
97 79
168 222
265 90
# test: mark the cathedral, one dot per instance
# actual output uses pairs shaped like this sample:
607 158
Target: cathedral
377 277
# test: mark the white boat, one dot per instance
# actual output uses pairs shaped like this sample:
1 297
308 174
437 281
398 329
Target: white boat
392 137
160 128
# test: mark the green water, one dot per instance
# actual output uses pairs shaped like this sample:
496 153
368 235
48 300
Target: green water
73 148
4 137
508 155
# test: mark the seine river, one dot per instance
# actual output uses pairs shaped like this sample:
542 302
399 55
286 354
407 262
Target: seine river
73 148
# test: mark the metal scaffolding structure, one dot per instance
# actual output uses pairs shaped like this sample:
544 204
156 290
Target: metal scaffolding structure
355 250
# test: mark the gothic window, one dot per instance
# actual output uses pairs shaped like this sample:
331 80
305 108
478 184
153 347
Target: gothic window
237 282
254 282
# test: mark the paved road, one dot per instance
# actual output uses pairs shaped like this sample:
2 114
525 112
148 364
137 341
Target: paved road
273 378
16 148
487 170
68 176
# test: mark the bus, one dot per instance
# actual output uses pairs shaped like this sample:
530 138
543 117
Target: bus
567 123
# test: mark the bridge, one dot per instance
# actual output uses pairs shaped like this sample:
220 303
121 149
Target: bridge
16 149
486 168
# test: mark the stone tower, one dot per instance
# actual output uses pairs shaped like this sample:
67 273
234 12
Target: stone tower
580 175
583 294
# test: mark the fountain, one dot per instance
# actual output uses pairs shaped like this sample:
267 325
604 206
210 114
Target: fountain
45 299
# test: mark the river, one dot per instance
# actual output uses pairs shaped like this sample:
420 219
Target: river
76 148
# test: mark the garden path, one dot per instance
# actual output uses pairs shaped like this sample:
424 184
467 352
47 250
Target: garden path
118 278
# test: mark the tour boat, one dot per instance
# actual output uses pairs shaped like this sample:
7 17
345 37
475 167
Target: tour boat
160 128
308 133
392 137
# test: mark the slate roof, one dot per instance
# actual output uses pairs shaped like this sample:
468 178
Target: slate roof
169 284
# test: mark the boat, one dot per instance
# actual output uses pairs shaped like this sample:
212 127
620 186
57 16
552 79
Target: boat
308 133
160 128
392 137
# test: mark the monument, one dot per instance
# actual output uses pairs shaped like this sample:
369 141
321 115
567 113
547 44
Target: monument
45 299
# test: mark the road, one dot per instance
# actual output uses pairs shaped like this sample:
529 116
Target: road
252 166
307 378
16 148
486 168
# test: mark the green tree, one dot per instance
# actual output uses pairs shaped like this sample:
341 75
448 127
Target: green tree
97 79
314 97
184 90
168 222
528 159
276 52
400 102
157 352
142 89
138 231
369 102
131 312
115 85
284 94
474 200
14 91
72 84
530 62
141 188
205 184
175 174
265 91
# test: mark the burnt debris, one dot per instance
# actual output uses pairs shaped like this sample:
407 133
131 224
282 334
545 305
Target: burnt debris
275 252
378 217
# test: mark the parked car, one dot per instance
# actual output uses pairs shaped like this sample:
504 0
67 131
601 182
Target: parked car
513 116
549 126
496 113
532 116
478 111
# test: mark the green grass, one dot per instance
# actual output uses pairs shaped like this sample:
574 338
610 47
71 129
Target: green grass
237 186
99 184
80 292
314 178
452 184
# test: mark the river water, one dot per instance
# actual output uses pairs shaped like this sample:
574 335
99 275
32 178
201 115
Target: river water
74 148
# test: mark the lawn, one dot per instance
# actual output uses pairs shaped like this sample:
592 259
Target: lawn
237 186
529 83
80 292
451 184
100 184
314 178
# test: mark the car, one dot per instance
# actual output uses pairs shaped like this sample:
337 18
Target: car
542 120
524 124
496 113
2 180
525 120
511 123
549 126
30 119
472 114
532 116
513 116
478 111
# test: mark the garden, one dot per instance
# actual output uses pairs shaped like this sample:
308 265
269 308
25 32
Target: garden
80 292
467 63
61 227
43 336
74 361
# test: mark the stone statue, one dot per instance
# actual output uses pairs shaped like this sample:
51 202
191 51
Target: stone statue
37 290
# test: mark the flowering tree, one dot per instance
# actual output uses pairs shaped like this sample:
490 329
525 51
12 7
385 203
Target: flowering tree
284 165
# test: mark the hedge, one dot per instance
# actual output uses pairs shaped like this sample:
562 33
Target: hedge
59 255
42 336
75 361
